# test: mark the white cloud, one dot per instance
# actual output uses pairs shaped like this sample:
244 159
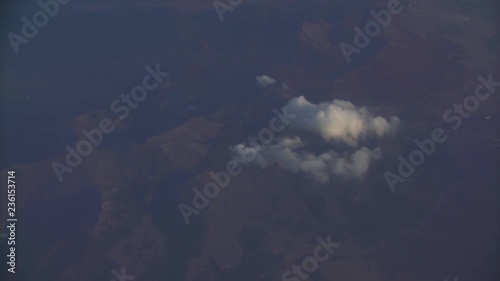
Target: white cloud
264 81
339 120
285 153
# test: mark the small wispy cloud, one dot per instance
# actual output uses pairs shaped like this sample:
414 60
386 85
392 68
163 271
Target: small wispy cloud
264 81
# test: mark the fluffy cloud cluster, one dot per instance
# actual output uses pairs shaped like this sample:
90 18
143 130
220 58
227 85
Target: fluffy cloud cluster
264 81
338 121
285 153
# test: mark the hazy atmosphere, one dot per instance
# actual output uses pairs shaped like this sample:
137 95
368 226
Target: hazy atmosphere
250 140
